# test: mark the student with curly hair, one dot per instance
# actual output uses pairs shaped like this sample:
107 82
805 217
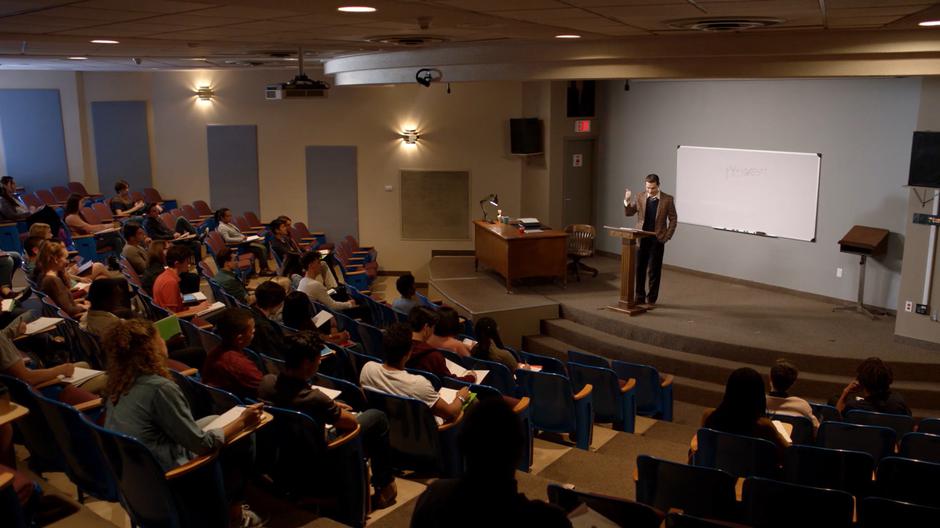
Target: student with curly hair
144 402
871 390
50 275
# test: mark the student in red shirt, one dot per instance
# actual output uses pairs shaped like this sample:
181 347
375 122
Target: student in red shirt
423 355
227 367
166 289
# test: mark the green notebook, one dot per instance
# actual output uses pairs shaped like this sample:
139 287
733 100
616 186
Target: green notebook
168 327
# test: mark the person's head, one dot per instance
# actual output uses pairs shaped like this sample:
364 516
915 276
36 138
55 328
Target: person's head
73 204
8 184
448 322
743 403
875 376
133 348
652 184
40 229
153 210
310 263
269 297
121 188
179 257
405 285
422 320
491 440
31 246
279 227
134 234
397 344
225 259
156 253
782 375
52 257
110 295
302 354
486 332
223 215
236 327
297 310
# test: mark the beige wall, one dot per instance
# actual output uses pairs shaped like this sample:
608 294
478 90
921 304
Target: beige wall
913 270
465 130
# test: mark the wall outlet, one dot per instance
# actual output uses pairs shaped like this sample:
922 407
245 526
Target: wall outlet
922 309
908 306
388 188
839 273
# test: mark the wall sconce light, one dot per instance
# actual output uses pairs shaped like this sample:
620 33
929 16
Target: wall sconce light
205 93
410 136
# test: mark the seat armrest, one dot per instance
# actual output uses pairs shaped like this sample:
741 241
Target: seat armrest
628 386
190 466
585 391
189 372
88 405
345 439
49 383
666 380
450 425
522 406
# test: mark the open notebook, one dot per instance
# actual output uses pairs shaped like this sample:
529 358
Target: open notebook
460 372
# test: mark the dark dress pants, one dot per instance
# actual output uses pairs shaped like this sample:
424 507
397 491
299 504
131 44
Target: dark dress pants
649 260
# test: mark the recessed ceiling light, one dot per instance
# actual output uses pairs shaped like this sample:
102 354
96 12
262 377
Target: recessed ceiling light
78 58
929 23
356 9
568 36
104 41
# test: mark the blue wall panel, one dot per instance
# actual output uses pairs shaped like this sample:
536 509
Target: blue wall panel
332 191
33 138
233 167
122 146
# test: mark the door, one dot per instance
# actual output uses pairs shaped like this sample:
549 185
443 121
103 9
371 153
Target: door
578 190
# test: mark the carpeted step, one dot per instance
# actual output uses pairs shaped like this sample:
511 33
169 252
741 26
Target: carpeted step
836 366
559 335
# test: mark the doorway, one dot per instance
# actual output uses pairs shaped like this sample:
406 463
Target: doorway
578 184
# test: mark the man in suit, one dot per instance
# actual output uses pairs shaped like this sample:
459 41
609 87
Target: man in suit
656 211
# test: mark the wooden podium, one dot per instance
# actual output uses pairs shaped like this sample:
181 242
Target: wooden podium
864 242
627 303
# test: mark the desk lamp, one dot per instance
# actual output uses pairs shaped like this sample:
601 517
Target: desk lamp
491 199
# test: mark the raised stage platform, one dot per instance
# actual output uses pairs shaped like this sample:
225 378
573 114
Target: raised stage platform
702 329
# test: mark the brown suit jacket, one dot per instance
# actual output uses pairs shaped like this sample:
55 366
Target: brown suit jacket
666 211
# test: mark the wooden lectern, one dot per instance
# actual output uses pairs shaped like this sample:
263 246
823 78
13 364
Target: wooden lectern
864 242
627 303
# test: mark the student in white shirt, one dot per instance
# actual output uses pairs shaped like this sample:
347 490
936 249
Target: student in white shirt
392 378
231 234
782 376
312 283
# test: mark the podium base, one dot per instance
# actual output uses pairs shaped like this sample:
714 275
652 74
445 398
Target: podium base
623 307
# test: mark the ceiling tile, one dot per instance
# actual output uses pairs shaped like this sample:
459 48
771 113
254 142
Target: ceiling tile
546 15
149 6
246 12
897 11
124 30
99 15
863 21
500 5
193 21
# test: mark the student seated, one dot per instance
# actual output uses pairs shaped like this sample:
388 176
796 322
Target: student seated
392 378
13 209
298 315
135 251
743 409
156 230
291 389
424 356
122 204
49 274
284 246
491 440
408 298
446 330
782 376
227 367
166 288
107 241
871 390
231 234
39 233
227 262
269 337
312 283
144 402
489 346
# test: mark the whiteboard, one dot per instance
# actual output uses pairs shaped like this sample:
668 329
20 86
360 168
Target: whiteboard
760 192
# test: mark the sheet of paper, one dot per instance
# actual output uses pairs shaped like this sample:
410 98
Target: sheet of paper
214 307
533 368
194 297
42 324
326 351
448 395
322 318
82 374
782 430
7 305
528 220
187 236
470 343
108 230
81 286
455 369
253 238
533 230
330 393
84 267
224 419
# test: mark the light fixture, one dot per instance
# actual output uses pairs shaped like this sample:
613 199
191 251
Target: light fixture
568 36
929 23
104 41
410 136
356 9
78 58
491 199
205 93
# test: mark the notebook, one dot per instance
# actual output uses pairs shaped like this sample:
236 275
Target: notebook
330 393
460 372
42 324
168 327
322 318
194 297
225 418
81 375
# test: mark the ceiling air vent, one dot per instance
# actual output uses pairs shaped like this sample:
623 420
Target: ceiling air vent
725 23
408 41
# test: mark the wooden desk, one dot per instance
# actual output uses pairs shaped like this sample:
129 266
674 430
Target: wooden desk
514 255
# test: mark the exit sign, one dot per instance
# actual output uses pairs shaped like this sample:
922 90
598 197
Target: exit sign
582 125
